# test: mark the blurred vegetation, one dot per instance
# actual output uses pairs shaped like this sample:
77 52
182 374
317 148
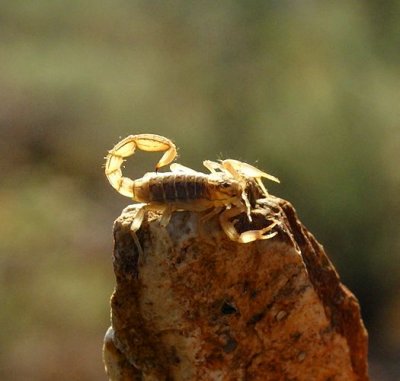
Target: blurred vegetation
307 90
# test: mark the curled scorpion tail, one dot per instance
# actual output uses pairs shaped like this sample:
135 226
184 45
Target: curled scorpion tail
127 147
123 185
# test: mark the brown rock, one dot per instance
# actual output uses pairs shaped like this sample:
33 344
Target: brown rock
198 306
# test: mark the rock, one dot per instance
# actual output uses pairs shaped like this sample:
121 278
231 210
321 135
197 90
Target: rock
195 305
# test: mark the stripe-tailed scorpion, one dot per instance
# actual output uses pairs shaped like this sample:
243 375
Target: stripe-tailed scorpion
226 191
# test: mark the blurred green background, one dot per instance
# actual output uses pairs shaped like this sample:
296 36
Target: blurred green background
308 91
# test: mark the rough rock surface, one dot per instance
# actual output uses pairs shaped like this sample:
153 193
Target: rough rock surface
198 306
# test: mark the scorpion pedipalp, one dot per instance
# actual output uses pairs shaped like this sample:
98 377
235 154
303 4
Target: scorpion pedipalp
241 172
240 169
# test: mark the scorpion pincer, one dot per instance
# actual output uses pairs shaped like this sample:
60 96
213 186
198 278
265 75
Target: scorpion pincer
223 191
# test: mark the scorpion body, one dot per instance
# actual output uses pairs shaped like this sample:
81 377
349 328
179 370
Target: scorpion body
224 191
178 189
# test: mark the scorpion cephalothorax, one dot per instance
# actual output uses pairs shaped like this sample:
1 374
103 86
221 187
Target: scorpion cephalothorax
231 188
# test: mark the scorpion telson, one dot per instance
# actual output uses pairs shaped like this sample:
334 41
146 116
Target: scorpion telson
223 191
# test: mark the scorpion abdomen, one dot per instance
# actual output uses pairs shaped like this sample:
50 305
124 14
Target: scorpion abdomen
171 188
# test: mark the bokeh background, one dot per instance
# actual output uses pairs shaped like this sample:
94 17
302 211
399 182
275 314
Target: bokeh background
308 91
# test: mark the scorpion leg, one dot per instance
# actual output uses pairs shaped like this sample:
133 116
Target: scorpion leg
213 212
213 166
166 216
138 217
179 168
247 236
138 211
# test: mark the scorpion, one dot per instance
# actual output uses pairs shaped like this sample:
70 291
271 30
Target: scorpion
224 191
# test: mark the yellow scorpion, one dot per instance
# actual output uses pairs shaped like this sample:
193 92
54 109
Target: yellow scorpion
224 191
